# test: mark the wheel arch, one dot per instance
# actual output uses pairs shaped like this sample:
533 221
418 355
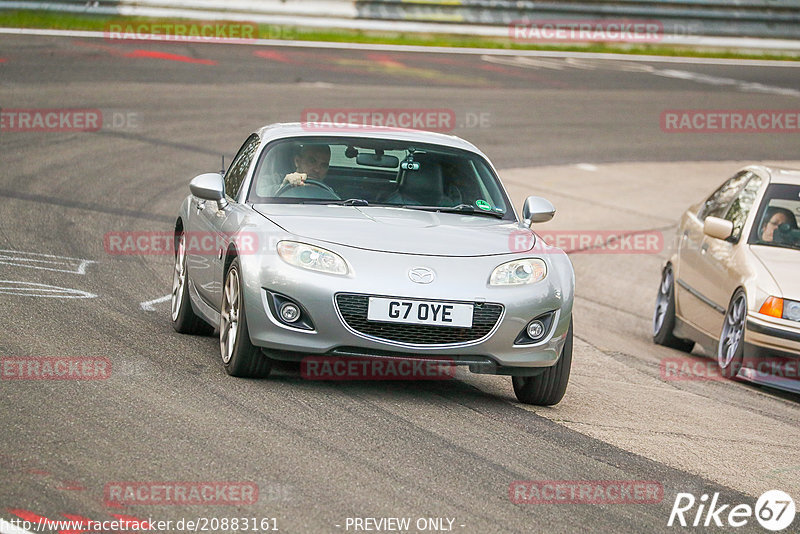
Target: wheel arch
230 254
177 231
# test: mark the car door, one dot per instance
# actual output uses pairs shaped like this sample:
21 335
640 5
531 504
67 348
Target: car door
719 276
215 226
693 285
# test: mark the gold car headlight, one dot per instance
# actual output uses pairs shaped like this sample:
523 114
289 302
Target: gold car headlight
311 258
791 310
517 272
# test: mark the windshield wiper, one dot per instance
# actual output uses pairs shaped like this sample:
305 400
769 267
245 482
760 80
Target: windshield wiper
350 202
461 208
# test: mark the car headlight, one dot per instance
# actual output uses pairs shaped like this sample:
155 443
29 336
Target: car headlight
311 257
781 308
791 310
525 271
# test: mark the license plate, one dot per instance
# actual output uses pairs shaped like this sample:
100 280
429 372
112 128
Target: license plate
420 312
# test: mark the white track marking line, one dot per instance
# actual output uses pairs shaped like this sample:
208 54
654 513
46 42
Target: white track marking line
148 305
741 85
35 260
580 64
545 63
697 77
439 49
32 289
8 528
586 167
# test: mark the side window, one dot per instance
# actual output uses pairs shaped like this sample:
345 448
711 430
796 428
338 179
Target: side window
238 169
742 205
717 204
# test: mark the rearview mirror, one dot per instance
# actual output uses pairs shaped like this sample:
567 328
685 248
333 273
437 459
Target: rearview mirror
209 186
717 228
537 210
375 160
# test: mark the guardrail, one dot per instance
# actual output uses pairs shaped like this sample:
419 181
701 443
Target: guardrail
771 19
774 19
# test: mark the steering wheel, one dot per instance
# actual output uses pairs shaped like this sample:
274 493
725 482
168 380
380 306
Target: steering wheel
285 187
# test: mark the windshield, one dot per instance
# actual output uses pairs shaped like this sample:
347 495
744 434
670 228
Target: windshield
776 220
362 171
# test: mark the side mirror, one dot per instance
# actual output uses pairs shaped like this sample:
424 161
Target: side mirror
717 228
537 210
209 186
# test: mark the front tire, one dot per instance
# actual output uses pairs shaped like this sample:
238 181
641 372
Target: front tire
547 388
184 319
730 349
239 356
664 315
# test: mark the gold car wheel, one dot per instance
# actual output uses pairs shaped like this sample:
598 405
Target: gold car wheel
732 332
662 300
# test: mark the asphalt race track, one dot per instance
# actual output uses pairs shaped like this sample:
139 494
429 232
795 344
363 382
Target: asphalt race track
585 133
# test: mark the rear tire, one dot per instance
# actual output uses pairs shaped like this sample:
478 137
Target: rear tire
184 319
239 356
549 387
664 315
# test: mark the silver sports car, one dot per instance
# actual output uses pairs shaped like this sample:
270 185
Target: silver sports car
372 243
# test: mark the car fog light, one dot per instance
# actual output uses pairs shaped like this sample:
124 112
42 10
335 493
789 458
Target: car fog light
535 329
289 312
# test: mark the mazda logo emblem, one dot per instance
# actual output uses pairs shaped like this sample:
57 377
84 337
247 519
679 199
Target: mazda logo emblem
421 275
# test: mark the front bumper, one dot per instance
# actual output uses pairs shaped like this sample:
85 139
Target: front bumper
769 333
772 352
384 274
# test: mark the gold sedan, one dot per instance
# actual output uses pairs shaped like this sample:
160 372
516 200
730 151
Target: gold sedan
732 284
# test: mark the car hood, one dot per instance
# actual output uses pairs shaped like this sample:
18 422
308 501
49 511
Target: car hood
398 230
782 265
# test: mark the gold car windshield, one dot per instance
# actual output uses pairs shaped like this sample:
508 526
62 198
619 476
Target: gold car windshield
776 220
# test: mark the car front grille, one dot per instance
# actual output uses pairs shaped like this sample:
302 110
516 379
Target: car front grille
353 309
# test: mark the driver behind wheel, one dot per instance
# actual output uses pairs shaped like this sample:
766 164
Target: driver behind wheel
773 219
311 163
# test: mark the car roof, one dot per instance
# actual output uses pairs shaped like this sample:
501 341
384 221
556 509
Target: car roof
785 176
777 174
276 131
